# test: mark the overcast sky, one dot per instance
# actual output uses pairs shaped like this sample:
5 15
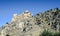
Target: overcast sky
8 8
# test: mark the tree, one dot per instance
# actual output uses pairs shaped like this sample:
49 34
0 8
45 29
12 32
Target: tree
7 23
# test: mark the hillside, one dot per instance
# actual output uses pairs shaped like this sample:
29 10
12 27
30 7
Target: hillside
26 24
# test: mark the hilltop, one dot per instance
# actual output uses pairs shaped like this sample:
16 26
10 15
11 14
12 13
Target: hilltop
26 24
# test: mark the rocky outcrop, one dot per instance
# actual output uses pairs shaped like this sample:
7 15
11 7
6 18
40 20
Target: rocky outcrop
50 19
26 24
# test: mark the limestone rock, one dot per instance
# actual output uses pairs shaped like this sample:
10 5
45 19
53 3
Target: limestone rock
26 24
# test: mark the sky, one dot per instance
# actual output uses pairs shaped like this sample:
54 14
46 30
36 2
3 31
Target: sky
9 7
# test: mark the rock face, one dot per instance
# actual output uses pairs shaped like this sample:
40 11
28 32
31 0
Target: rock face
26 24
50 19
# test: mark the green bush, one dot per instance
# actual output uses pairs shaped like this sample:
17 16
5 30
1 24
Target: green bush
57 34
48 33
7 35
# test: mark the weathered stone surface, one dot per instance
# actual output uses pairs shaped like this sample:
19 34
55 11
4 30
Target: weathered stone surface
26 24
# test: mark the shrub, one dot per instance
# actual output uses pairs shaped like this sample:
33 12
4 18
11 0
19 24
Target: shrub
57 34
7 35
48 33
7 23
